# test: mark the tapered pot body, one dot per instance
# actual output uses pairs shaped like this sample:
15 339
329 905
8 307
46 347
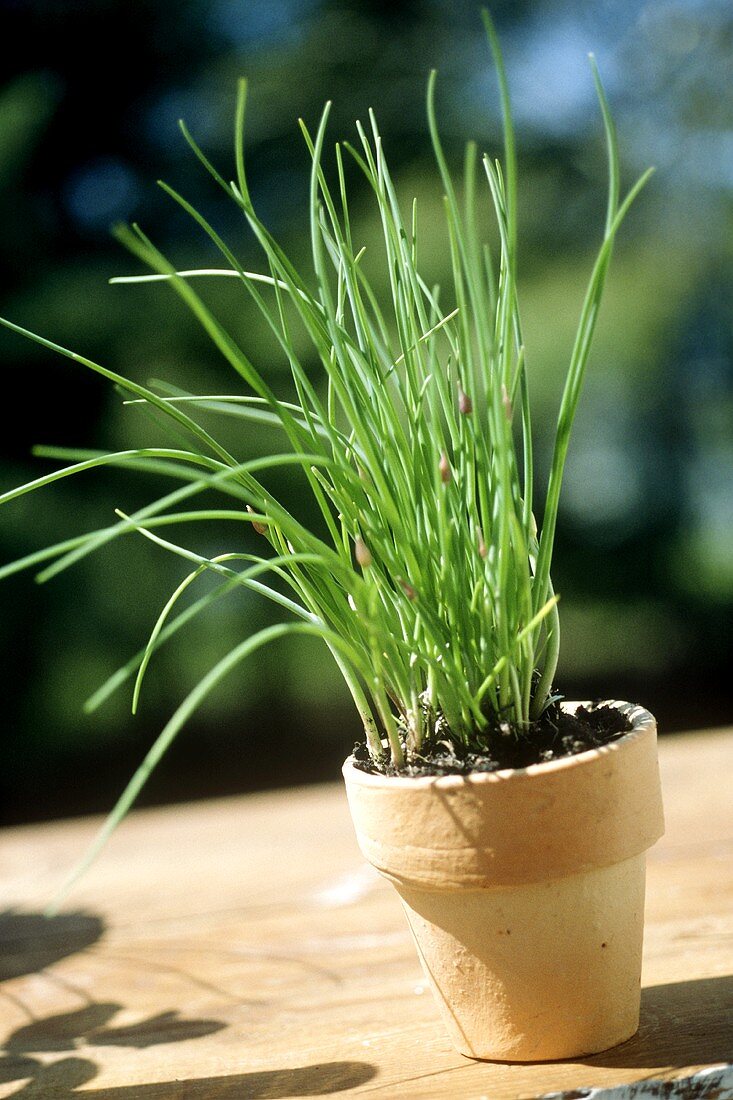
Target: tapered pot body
524 891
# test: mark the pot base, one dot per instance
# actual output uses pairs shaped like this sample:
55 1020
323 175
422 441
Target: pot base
535 972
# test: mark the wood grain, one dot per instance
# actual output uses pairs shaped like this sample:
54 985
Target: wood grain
240 948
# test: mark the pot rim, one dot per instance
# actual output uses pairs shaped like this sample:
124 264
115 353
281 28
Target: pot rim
641 719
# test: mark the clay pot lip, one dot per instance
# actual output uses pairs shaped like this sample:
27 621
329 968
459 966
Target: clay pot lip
643 723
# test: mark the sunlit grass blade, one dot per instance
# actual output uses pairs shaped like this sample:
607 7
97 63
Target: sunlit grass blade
123 674
125 384
166 737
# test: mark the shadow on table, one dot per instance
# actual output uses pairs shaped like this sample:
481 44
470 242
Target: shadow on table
31 943
682 1024
93 1026
61 1079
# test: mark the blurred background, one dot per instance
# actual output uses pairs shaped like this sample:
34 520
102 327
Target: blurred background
88 121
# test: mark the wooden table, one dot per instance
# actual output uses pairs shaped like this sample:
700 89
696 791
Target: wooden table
241 948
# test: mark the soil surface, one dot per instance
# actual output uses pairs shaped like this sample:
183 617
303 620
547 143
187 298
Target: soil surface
554 735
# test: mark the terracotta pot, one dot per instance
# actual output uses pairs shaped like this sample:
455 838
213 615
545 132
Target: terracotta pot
524 891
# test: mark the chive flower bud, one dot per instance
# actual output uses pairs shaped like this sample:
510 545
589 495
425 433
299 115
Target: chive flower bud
362 552
444 467
506 402
465 404
260 528
408 589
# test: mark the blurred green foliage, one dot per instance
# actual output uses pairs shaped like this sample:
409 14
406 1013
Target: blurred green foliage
644 564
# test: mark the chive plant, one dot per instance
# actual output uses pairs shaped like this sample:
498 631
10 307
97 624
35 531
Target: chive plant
430 582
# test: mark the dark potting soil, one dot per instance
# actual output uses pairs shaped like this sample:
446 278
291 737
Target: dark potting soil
554 735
